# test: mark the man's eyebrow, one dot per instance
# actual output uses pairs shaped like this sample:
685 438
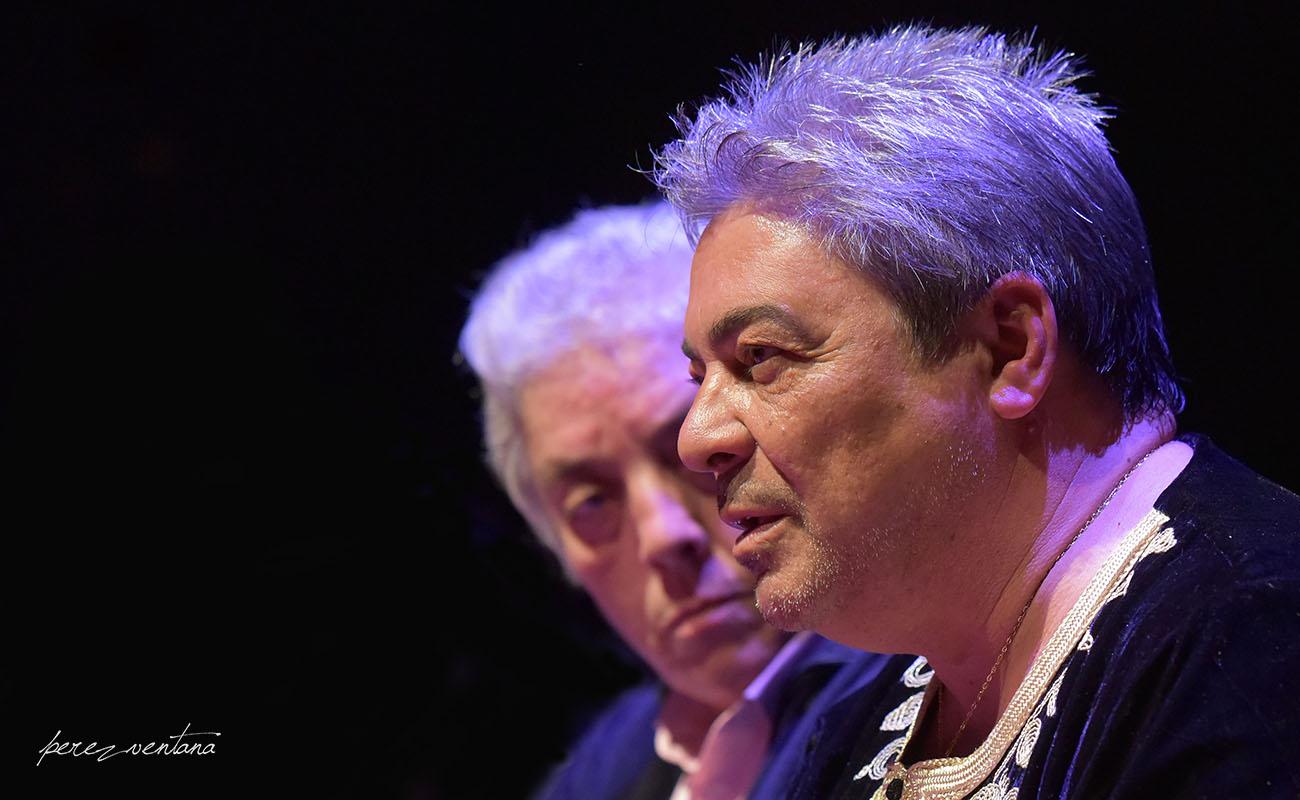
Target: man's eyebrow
569 471
731 322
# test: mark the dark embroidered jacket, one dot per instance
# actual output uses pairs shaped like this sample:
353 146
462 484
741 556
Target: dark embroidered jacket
1183 680
614 759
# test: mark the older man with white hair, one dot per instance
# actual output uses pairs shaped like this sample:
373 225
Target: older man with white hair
576 343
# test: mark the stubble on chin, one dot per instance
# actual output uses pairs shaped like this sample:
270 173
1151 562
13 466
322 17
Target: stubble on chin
819 588
835 574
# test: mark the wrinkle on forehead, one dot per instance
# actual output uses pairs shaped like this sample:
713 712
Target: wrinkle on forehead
641 385
757 268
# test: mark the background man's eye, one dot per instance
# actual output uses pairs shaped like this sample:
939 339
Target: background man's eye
585 506
594 517
591 502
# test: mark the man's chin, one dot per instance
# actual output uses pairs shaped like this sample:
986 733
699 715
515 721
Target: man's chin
783 608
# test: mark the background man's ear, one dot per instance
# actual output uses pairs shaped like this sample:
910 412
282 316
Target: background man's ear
1016 321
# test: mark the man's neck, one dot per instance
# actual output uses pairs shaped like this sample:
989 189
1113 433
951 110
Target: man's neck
682 725
684 722
1083 517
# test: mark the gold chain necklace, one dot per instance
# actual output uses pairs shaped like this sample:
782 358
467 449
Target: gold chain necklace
1006 645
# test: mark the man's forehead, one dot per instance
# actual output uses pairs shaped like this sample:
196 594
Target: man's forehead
601 358
748 258
634 385
584 445
760 217
753 267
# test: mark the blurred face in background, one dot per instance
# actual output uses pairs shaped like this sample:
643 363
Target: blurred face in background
640 531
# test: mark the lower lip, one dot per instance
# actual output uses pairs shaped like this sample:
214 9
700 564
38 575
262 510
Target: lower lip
750 550
754 536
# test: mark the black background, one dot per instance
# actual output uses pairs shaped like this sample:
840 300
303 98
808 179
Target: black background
242 482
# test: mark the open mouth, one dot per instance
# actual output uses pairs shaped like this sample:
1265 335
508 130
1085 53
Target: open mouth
755 524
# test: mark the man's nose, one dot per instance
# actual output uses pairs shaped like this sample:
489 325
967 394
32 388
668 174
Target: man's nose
712 438
672 541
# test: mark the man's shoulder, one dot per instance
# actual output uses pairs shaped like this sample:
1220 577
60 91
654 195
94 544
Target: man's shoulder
630 715
1228 552
1184 682
614 748
1238 526
1216 486
1191 660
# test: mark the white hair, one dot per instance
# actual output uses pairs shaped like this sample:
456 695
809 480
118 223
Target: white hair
608 274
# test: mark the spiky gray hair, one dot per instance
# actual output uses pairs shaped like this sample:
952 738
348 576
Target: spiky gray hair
937 161
607 275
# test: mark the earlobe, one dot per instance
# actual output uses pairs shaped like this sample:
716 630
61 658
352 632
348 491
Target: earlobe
1020 331
1012 403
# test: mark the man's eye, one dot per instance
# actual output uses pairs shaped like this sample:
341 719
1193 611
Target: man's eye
753 354
586 503
761 362
593 516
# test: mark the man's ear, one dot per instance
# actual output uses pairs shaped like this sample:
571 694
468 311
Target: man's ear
1016 322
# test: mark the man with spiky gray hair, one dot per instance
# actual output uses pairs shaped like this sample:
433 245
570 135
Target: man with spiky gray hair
575 340
935 391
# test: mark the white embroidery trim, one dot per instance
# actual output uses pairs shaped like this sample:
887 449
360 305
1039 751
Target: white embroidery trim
957 777
878 766
1028 738
913 678
901 718
1052 694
